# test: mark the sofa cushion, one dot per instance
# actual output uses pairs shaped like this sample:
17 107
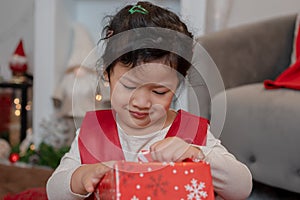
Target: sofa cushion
262 130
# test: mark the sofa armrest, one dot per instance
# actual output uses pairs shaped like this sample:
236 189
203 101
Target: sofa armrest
253 52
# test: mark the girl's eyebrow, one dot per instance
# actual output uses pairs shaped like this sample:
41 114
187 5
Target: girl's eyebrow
128 79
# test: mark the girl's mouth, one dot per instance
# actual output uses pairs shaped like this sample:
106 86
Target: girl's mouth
139 115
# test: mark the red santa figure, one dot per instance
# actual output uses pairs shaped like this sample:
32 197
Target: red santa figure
18 62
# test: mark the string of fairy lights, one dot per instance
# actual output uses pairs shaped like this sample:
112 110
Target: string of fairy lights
18 106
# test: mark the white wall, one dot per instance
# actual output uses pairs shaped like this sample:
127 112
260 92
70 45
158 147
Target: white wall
247 11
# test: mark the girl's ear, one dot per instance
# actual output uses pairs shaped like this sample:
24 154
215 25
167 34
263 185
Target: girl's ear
105 76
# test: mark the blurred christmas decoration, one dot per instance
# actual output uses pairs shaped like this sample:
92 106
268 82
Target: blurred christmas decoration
4 149
18 64
55 132
55 143
79 84
45 155
25 144
15 117
14 157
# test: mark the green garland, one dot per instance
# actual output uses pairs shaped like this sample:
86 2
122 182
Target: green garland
45 155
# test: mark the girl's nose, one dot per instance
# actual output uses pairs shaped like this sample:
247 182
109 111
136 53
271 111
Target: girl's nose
141 99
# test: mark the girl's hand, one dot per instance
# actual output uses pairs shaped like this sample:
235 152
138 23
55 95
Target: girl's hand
85 178
174 149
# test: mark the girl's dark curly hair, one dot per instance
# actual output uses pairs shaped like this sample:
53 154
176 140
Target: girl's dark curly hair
155 17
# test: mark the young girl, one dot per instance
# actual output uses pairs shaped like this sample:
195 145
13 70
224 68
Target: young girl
143 82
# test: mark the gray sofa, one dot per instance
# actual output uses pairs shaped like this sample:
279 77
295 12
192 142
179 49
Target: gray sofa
261 127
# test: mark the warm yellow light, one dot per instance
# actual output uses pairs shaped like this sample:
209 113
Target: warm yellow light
16 100
18 106
17 112
98 97
32 147
28 107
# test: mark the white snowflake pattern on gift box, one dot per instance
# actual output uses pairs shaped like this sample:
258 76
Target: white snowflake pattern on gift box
196 190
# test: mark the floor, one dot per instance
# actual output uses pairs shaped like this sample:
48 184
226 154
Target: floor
264 192
18 178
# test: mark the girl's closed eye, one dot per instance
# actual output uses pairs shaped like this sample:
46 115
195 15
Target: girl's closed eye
160 92
129 87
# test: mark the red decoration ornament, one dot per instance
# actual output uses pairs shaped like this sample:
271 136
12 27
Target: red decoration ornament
14 157
18 62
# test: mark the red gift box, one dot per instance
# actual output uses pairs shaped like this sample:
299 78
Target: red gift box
155 181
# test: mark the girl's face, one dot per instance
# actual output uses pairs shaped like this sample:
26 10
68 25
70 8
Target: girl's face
141 96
